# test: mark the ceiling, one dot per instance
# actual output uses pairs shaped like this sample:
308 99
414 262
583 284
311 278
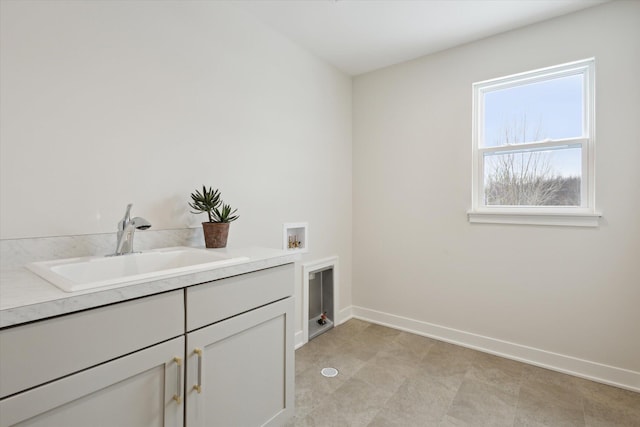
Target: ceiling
358 36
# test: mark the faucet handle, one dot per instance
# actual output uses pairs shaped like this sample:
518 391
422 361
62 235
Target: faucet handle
126 218
127 214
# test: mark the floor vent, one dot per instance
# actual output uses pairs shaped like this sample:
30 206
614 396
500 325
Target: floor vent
329 372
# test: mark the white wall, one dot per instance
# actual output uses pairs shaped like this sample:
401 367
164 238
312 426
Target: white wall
106 103
546 294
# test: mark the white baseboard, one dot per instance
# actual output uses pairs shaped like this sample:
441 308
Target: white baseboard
610 375
344 315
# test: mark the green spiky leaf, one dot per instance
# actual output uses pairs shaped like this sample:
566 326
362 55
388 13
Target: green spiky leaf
207 201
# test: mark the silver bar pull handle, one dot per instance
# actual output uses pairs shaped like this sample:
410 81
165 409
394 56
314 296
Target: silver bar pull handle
198 386
178 396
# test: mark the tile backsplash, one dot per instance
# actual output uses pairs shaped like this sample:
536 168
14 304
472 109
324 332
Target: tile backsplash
15 253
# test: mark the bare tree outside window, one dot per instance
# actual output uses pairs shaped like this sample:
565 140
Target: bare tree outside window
527 178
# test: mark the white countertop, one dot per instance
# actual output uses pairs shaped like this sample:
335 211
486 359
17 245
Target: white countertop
25 297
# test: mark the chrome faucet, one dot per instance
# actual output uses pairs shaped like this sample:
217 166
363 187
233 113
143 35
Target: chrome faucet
126 230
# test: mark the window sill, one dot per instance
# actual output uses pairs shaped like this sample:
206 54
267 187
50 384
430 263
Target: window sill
536 218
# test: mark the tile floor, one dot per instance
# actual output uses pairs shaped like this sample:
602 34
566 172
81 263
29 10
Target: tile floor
393 378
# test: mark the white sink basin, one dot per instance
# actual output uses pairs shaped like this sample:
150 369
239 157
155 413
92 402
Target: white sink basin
78 274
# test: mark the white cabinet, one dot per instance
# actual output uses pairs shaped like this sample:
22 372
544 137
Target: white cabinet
142 389
240 367
125 364
240 372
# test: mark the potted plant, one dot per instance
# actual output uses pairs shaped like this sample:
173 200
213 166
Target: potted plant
216 230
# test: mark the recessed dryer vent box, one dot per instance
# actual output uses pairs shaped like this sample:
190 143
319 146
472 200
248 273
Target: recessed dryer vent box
321 308
319 297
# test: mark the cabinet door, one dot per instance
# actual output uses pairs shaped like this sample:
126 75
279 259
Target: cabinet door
240 372
135 390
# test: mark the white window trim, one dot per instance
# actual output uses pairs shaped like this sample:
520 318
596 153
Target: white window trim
573 219
582 216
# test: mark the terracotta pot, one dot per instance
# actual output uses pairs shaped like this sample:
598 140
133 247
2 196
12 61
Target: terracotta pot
215 234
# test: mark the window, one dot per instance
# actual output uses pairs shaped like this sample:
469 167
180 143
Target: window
533 147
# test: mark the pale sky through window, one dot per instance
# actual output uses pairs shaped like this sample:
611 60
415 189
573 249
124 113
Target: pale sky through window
552 109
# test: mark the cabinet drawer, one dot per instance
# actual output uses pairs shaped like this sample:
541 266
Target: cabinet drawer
38 352
214 301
